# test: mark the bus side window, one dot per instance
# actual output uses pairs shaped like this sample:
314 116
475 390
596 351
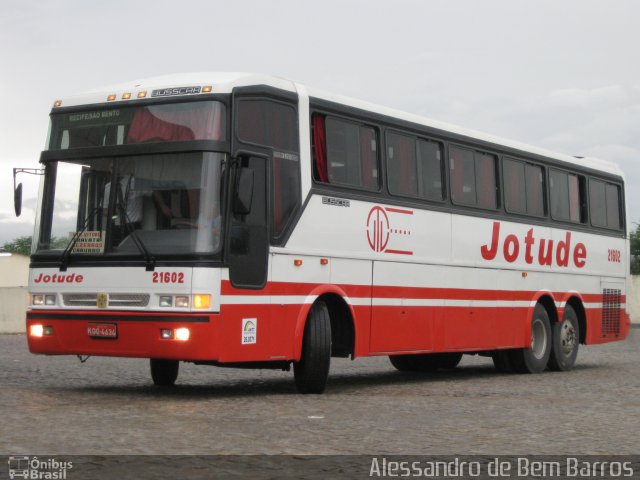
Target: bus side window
345 153
274 125
567 196
604 204
473 178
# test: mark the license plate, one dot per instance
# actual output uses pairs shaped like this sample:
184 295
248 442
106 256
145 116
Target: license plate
102 330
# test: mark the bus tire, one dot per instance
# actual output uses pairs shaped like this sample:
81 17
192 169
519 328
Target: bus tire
403 363
502 361
535 358
565 343
164 372
449 360
312 371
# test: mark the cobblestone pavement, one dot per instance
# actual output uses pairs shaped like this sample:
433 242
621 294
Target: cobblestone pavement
56 405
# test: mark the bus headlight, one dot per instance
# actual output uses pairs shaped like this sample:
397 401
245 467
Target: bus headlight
182 302
166 301
41 299
36 330
182 334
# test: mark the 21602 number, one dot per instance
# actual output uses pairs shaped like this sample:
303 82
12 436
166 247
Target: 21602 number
614 256
168 277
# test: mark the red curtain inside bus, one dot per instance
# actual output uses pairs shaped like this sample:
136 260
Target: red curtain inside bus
320 148
162 124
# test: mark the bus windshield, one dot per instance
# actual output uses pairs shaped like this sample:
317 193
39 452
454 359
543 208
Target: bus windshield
127 125
171 203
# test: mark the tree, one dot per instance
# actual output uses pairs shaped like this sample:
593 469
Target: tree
634 247
21 245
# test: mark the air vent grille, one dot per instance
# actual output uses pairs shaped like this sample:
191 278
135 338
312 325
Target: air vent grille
115 299
611 312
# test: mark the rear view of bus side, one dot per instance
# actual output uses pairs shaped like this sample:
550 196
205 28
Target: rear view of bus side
258 223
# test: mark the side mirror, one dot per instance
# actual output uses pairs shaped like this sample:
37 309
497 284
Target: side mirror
244 192
17 199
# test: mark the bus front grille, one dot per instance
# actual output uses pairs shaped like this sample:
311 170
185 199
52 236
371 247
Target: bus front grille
114 299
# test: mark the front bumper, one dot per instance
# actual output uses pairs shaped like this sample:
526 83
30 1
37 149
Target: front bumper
138 334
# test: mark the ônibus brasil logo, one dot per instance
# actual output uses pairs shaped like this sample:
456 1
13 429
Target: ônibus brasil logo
38 469
380 233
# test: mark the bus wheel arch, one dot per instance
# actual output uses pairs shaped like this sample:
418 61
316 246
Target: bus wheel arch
342 318
578 307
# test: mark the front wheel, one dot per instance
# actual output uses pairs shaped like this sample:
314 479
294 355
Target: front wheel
565 343
534 359
164 372
312 371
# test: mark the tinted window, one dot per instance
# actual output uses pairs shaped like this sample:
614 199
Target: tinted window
534 176
597 203
473 178
414 167
604 204
268 123
523 187
401 165
174 122
274 125
613 206
515 195
345 153
430 170
567 196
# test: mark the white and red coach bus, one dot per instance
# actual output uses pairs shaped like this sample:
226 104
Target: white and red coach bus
257 223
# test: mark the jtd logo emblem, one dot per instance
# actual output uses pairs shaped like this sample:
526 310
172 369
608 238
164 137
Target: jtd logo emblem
380 233
378 229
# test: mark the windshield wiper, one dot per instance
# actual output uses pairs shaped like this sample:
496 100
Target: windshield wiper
149 259
64 258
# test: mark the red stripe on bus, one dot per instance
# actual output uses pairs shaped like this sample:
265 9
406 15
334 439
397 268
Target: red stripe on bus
399 210
386 291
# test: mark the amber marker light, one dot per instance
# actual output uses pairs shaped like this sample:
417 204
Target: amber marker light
57 103
126 96
201 301
324 261
297 262
207 89
524 274
142 94
111 97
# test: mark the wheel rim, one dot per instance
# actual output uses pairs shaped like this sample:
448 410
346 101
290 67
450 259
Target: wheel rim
538 338
567 338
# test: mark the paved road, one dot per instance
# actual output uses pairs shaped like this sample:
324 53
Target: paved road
56 405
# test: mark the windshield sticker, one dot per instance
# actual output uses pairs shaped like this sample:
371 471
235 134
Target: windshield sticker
88 242
92 118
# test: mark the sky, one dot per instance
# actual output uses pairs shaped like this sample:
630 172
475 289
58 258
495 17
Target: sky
559 74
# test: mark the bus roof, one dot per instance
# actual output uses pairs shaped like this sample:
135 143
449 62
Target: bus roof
225 82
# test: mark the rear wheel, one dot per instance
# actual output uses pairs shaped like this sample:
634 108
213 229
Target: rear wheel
565 343
312 371
164 372
534 359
